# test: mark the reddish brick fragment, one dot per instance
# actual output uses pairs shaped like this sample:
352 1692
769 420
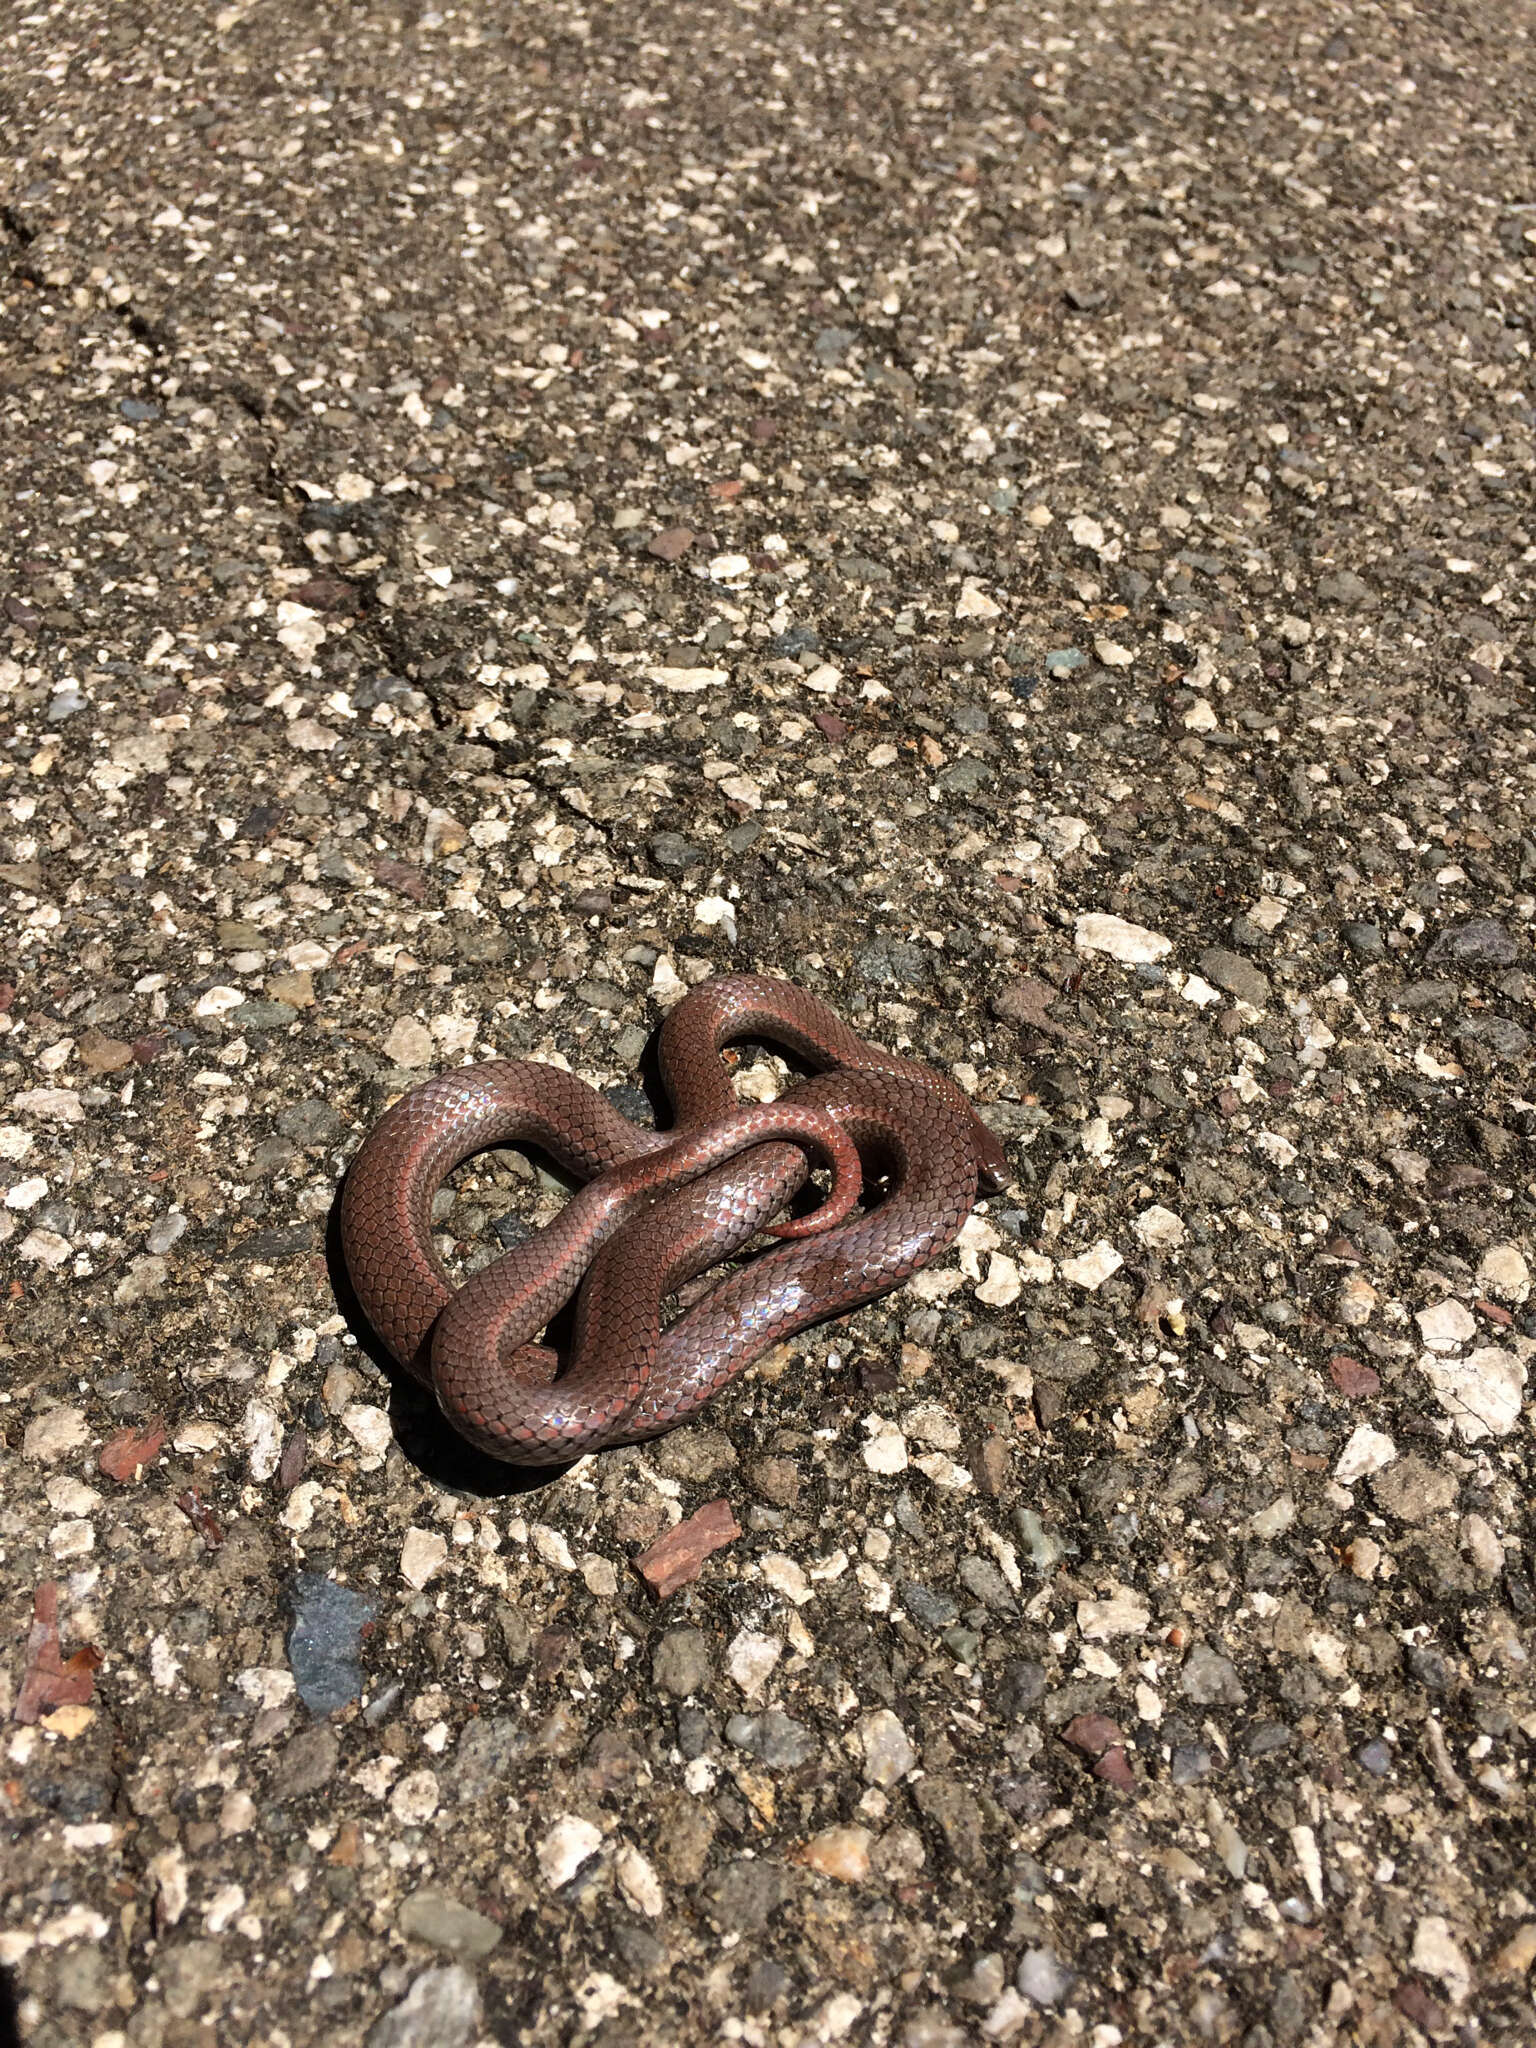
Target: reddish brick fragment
401 876
1093 1734
1114 1767
124 1456
677 1558
50 1680
1354 1380
328 594
1414 2000
291 1465
671 544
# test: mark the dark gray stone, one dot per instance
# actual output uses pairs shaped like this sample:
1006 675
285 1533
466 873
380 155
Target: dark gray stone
1190 1763
894 962
955 1811
1480 942
980 1576
1365 941
329 1623
927 1608
262 1016
674 854
1501 1037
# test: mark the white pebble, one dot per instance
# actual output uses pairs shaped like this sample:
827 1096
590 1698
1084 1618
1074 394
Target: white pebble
638 1882
565 1848
369 1428
1481 1394
54 1434
1482 1545
415 1799
1002 1285
1133 944
262 1433
599 1576
886 1451
409 1043
1160 1229
214 1002
1367 1451
1446 1325
932 1424
1124 1613
943 1472
422 1555
888 1754
1504 1273
552 1547
1435 1953
1093 1267
44 1248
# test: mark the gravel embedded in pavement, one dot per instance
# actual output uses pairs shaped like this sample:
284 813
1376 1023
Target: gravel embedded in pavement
1019 522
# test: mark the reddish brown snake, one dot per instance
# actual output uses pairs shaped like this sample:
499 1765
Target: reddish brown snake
628 1378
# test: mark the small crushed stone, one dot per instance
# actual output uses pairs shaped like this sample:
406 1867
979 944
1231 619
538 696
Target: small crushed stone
1019 522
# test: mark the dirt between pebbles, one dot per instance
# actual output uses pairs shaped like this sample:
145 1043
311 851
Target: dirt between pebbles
1020 521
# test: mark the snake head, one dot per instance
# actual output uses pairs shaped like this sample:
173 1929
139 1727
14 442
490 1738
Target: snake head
992 1169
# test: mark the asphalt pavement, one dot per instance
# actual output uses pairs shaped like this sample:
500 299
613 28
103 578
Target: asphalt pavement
1019 521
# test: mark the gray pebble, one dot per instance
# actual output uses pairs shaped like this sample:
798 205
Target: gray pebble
165 1231
432 1916
1210 1679
1041 1977
307 1762
741 1897
1239 977
773 1738
1365 941
680 1663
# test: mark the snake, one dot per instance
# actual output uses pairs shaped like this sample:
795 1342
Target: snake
653 1211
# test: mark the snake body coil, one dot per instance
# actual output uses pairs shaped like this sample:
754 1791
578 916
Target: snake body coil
655 1210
